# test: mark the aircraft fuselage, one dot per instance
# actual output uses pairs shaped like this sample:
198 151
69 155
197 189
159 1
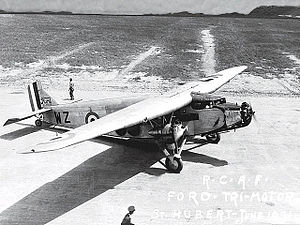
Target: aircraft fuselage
199 120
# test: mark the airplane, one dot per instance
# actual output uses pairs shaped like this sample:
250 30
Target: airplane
169 120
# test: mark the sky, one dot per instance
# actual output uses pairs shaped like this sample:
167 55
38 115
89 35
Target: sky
141 6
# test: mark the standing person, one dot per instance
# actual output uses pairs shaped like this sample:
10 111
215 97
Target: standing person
71 89
127 219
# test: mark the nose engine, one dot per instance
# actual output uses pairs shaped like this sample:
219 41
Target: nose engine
246 113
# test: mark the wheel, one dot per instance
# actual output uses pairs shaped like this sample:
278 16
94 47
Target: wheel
38 123
175 165
213 138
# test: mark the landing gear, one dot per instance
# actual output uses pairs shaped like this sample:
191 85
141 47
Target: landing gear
170 138
172 152
38 123
213 138
174 164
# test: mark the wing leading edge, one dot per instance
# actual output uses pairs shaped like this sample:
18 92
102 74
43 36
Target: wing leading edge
137 113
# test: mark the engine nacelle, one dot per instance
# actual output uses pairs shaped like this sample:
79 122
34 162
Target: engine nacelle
170 133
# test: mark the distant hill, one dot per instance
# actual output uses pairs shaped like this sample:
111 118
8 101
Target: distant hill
275 11
234 14
178 14
44 12
188 14
259 12
61 12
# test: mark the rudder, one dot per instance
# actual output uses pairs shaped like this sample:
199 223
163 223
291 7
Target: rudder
39 98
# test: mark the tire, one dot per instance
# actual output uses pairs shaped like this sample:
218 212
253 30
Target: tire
38 123
174 167
213 138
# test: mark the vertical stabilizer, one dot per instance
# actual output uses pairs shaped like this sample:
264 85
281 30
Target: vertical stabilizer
39 98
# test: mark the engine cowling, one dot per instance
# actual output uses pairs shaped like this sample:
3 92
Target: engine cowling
246 113
170 132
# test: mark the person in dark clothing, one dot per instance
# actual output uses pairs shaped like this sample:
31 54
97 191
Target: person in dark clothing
127 219
71 89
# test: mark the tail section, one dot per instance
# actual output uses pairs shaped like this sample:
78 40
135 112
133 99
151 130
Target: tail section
39 98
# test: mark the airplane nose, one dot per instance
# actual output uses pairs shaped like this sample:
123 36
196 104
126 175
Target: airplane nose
246 113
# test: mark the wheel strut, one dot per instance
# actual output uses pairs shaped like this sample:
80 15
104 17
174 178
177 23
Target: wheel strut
173 161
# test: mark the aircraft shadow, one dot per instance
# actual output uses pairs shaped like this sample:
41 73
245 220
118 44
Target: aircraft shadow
191 157
19 133
91 178
88 180
28 129
200 158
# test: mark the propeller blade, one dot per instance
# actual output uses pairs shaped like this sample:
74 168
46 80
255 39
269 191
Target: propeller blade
254 117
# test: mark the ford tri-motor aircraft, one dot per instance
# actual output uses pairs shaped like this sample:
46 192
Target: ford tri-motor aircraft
168 119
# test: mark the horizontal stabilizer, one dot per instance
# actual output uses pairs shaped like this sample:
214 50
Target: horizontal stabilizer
15 120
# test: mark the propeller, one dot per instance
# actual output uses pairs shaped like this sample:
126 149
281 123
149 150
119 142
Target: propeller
252 113
254 117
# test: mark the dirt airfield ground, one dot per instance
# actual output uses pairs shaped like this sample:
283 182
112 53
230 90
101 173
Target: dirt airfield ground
251 177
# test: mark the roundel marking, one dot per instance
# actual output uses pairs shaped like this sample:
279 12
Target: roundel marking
90 117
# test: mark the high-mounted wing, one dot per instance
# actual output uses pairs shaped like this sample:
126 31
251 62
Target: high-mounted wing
137 113
213 82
